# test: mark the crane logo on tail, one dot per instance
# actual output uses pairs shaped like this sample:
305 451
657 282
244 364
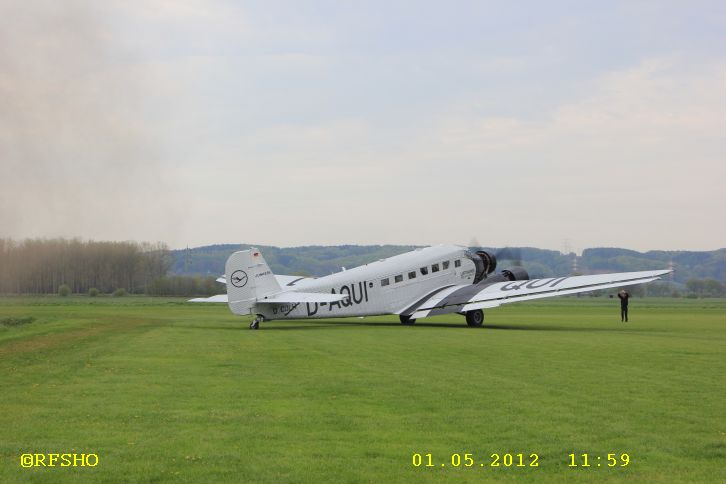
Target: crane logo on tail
239 278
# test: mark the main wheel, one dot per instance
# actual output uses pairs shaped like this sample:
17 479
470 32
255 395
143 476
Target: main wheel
406 320
255 324
475 318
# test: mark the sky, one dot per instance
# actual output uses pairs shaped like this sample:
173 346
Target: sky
546 124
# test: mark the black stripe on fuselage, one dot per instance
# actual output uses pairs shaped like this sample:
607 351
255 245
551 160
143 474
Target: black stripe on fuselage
464 295
459 298
412 308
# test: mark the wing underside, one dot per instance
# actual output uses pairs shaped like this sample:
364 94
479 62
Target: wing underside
480 296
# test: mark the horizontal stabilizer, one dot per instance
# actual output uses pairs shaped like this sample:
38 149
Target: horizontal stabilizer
219 298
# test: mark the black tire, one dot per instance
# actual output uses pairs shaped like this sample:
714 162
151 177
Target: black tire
475 319
254 325
406 320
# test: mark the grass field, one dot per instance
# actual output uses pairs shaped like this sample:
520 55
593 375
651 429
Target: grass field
163 390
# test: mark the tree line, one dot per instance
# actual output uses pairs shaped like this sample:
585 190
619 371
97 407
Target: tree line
323 260
693 288
42 266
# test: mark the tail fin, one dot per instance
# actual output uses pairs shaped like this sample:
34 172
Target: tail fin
249 278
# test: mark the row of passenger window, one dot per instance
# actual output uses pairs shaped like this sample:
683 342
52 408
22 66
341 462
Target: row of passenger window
424 271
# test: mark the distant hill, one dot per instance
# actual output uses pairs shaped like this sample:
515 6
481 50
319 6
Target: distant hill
687 264
318 260
312 260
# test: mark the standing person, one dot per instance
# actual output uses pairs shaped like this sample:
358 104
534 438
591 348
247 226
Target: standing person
623 296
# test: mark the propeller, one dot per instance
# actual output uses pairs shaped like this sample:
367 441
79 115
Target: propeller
486 263
513 254
510 254
474 244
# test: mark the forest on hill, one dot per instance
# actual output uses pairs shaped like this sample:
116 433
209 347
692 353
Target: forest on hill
323 260
65 266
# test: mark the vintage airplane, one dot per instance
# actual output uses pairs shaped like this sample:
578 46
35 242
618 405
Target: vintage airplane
425 282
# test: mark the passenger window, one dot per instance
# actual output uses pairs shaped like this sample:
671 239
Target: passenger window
457 263
412 275
385 282
424 271
434 268
399 278
445 264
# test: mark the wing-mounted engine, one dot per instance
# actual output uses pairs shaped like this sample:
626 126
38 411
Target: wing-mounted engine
511 274
515 274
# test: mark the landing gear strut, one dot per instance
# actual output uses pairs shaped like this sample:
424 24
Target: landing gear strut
475 318
406 320
255 324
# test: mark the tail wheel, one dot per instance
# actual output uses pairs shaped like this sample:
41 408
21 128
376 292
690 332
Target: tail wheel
255 324
475 318
406 320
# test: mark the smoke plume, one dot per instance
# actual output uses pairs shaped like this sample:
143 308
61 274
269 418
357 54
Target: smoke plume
76 158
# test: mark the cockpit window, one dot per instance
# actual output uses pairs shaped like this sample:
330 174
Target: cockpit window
457 263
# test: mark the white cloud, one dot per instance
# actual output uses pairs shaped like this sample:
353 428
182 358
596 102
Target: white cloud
649 138
615 166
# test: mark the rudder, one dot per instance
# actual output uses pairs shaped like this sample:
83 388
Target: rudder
249 279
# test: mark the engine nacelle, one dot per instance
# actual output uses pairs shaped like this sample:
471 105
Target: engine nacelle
512 274
516 274
485 264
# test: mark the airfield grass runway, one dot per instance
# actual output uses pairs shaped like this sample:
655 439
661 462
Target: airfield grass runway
164 390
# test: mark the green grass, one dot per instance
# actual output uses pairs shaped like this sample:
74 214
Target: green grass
164 390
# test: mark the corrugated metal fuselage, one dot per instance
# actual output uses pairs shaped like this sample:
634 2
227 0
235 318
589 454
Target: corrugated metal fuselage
369 293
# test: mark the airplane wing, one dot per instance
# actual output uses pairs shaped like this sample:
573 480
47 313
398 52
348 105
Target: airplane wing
284 281
480 296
